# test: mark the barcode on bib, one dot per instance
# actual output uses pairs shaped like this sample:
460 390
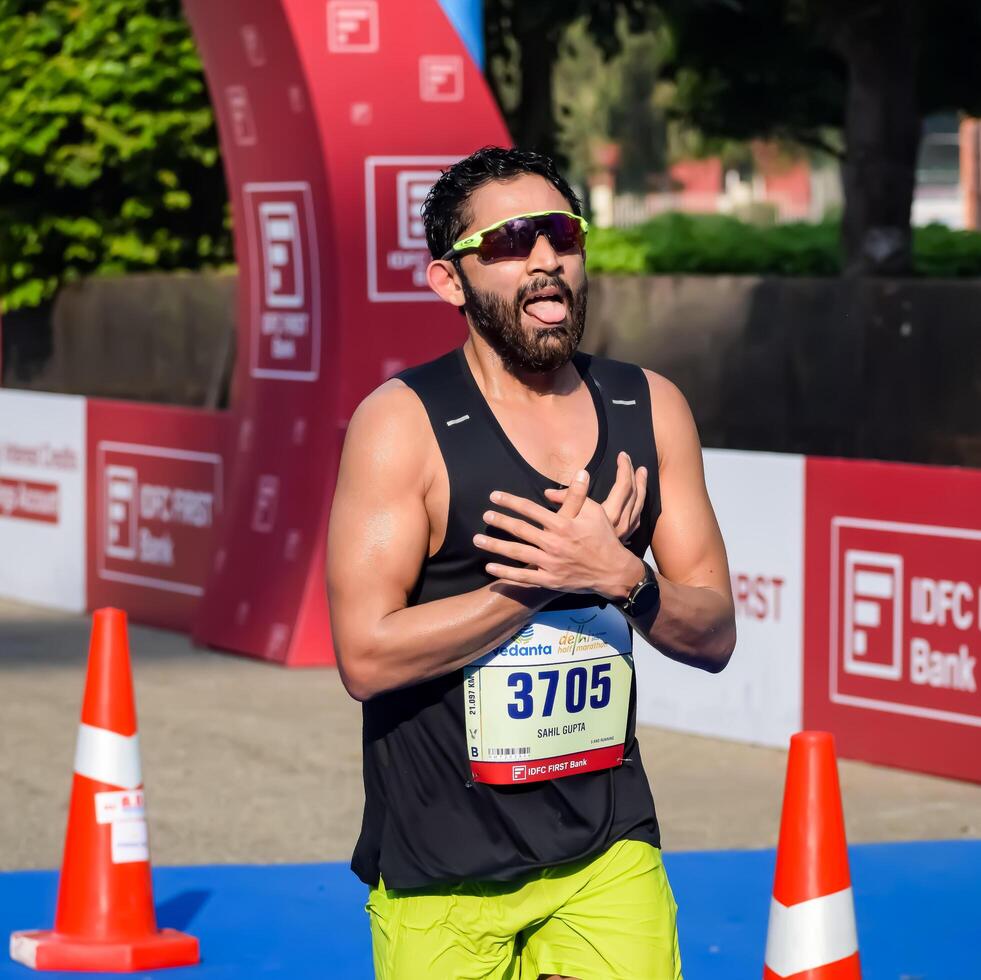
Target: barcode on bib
524 750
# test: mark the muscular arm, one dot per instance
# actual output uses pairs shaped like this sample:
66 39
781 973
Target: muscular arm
696 623
378 539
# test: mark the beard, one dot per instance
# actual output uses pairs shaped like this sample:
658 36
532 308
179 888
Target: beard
539 350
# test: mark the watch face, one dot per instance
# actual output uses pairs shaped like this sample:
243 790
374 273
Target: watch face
647 598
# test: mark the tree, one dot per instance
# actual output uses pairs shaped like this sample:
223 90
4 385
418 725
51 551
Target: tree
601 102
522 41
854 78
109 156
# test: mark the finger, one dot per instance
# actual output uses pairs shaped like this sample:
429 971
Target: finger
623 525
575 495
515 576
557 495
638 507
514 527
526 508
617 497
509 549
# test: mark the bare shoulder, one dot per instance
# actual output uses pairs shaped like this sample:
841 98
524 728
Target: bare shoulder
674 426
390 431
391 406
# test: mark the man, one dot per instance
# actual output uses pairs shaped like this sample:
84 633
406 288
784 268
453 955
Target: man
485 571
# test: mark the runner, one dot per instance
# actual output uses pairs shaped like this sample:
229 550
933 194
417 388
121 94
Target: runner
485 570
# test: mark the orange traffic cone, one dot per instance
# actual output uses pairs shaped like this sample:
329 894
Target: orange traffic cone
105 919
812 933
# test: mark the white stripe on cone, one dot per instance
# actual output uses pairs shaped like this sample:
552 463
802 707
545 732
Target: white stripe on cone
108 757
811 934
23 949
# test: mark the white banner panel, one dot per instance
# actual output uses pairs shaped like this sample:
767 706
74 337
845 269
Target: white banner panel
759 501
42 498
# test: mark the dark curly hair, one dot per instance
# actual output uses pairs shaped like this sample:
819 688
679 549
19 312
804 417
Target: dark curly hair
445 211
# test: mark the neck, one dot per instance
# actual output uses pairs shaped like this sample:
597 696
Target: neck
501 383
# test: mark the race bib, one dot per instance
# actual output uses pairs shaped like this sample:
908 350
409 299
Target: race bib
553 700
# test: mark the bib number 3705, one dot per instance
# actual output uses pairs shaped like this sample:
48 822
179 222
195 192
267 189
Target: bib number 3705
553 700
541 688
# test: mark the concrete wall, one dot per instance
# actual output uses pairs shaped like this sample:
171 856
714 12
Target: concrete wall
865 368
860 368
156 338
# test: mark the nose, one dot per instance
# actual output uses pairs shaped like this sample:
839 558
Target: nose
543 258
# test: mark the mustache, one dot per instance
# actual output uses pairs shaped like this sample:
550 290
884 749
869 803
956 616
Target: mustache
546 282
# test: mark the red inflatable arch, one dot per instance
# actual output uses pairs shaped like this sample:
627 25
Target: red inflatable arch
335 118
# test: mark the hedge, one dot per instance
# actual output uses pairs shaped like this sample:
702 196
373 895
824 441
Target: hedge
109 163
109 158
683 244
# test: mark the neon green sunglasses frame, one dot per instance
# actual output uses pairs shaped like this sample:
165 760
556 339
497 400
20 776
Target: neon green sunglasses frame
474 241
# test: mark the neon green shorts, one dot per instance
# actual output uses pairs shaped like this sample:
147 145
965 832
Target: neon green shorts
610 917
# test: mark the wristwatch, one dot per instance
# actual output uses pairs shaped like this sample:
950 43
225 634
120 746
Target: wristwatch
644 597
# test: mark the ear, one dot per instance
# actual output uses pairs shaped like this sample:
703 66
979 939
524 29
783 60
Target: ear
445 282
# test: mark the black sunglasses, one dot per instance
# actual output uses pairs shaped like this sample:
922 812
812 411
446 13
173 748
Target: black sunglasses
514 238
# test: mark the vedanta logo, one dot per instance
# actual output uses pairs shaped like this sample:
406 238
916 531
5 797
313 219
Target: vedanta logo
522 650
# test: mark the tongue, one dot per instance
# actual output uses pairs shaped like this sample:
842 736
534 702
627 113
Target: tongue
547 310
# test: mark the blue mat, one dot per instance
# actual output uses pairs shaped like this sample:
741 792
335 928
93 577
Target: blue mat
918 907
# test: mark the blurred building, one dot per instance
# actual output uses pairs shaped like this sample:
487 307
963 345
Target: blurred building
939 196
778 187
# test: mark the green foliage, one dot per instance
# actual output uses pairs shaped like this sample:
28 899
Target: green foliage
610 101
522 41
941 253
719 245
777 68
109 156
756 68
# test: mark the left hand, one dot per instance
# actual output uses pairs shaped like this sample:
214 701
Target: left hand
579 553
625 503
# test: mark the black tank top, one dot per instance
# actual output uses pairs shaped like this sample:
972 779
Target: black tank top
426 818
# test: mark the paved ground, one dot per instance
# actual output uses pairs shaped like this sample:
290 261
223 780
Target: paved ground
245 762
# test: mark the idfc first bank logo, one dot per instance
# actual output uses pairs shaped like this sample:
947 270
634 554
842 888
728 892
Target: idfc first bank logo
906 618
157 511
395 189
284 271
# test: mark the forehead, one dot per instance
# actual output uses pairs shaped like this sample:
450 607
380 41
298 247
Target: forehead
502 199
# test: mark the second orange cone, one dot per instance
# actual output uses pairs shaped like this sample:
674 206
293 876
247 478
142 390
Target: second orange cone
812 935
104 918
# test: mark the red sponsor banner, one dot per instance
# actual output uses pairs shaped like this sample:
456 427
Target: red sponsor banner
28 500
335 120
535 770
156 490
893 613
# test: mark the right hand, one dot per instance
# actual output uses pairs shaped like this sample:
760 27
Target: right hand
625 502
